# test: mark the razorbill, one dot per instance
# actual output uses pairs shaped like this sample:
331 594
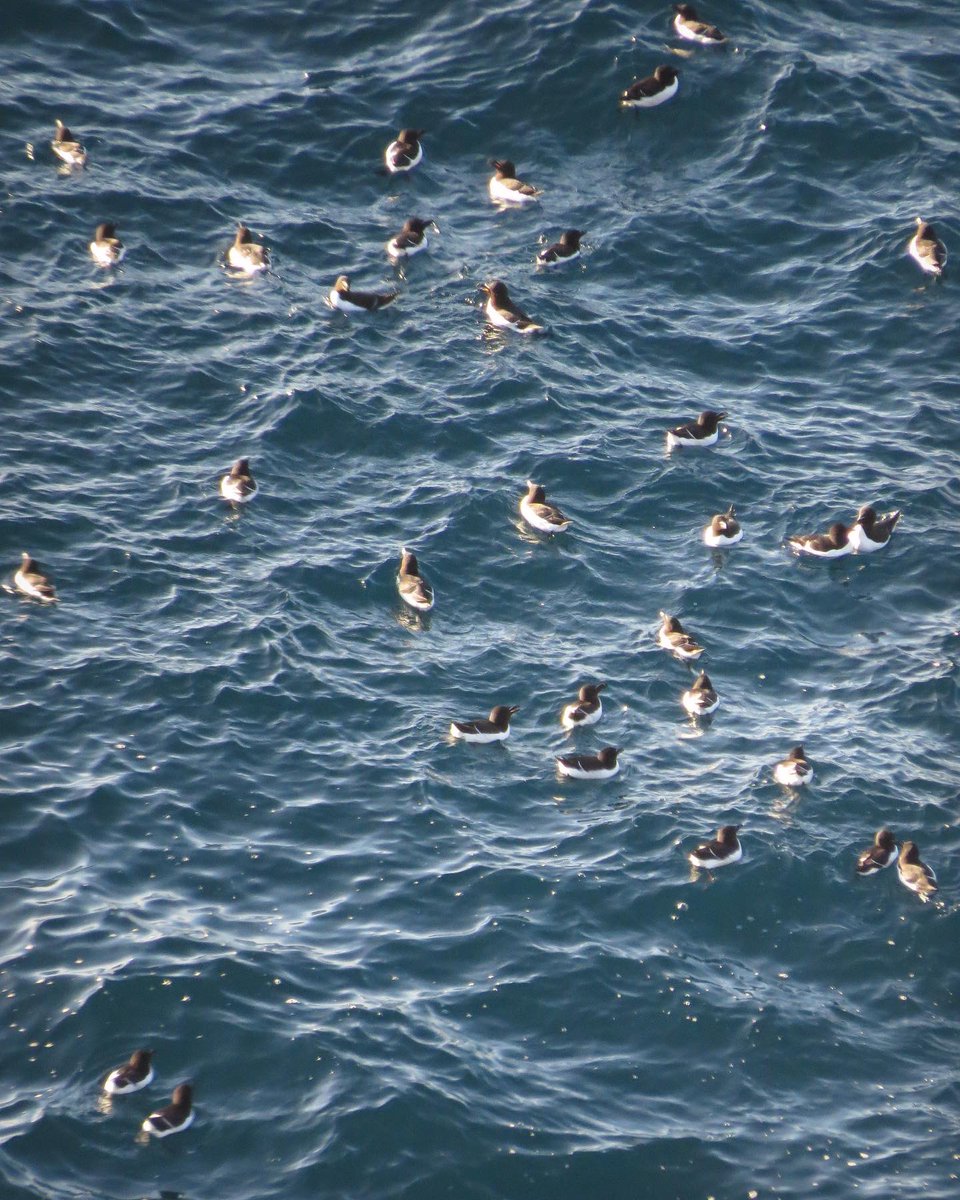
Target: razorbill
245 254
914 874
795 770
870 532
106 248
342 297
883 853
413 588
586 709
176 1117
564 251
689 26
927 249
505 188
405 152
673 637
702 432
537 512
655 89
590 766
700 698
135 1074
238 485
835 543
411 239
495 728
31 581
721 852
67 148
723 530
502 312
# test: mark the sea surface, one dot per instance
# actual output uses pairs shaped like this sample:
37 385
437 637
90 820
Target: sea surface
233 828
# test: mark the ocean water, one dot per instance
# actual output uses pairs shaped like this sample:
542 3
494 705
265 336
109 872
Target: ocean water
233 828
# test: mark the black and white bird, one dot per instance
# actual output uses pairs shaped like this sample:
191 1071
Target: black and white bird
30 581
655 89
246 255
723 530
502 312
495 728
411 239
721 852
870 532
587 709
914 874
405 152
835 543
564 251
413 588
700 698
544 517
795 770
176 1117
505 188
238 485
67 148
348 301
591 766
673 637
926 249
699 434
883 853
689 26
106 248
135 1074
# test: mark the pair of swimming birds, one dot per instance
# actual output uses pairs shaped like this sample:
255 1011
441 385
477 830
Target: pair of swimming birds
585 710
914 873
136 1074
869 532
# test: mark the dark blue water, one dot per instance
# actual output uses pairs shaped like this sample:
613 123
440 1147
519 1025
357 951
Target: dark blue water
232 826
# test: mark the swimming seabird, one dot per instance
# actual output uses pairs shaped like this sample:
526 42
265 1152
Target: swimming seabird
702 432
176 1117
238 484
721 852
411 239
655 89
586 709
501 310
405 152
537 512
67 148
700 698
505 188
883 853
245 254
723 530
914 874
342 297
31 581
795 770
495 728
106 248
413 588
673 637
564 251
590 766
927 249
835 543
870 532
135 1074
689 26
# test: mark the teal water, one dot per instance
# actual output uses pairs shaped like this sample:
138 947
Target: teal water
233 828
